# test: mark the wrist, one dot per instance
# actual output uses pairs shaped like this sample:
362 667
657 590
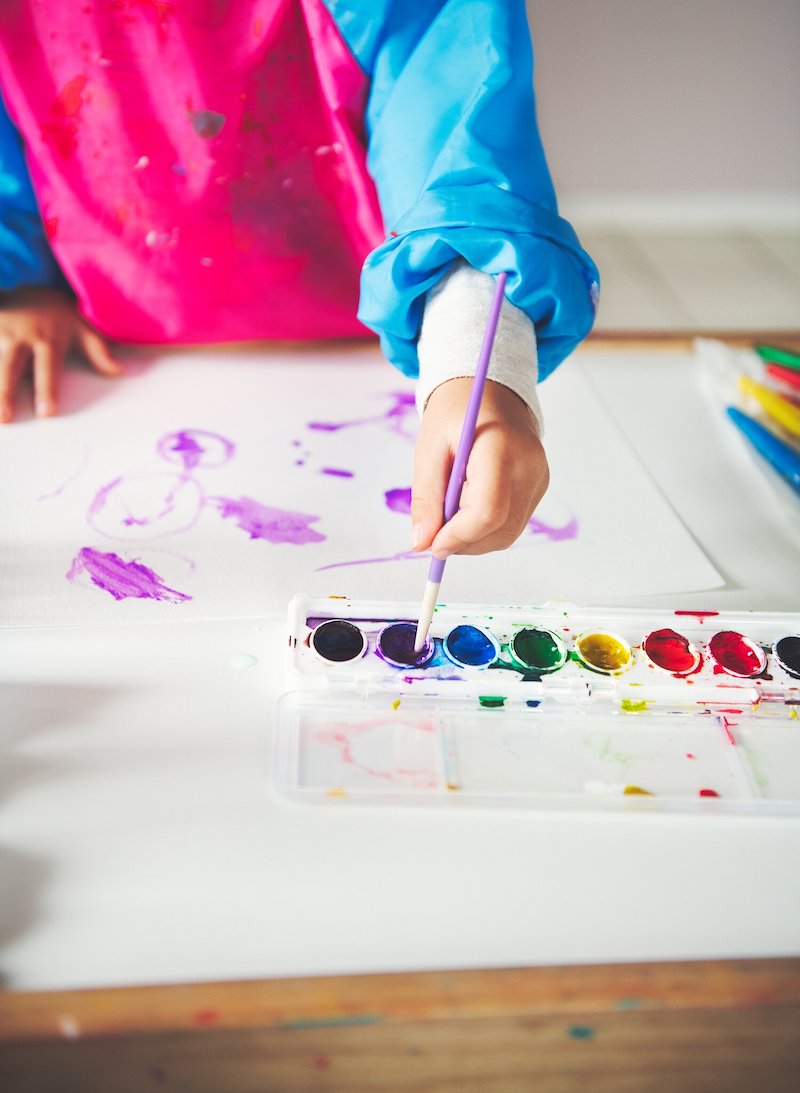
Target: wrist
453 326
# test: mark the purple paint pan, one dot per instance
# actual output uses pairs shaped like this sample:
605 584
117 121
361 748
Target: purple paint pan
396 646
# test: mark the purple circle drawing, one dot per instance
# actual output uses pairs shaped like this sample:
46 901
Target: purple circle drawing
195 448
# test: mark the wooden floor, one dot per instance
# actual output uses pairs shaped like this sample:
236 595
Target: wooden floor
644 1028
664 279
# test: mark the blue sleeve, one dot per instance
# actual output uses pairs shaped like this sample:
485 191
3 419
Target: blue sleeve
455 153
25 255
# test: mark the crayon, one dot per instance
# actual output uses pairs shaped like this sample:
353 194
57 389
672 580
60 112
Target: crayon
784 376
780 409
782 457
779 356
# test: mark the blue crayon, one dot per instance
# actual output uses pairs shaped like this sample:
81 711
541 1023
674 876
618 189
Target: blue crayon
781 456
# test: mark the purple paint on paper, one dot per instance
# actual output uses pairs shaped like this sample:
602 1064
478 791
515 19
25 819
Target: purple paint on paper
403 556
329 426
181 504
398 500
122 580
60 489
179 493
336 472
101 497
554 534
189 449
196 448
396 417
262 522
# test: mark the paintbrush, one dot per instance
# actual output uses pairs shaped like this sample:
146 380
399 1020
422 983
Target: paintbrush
458 472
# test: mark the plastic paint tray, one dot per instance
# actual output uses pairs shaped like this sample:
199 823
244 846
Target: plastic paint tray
599 724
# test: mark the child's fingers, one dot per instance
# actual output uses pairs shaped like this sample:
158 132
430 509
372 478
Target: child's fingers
432 463
477 531
507 472
484 516
520 512
498 499
47 360
12 362
97 352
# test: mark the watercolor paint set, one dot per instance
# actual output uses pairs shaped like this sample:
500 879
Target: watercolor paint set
551 706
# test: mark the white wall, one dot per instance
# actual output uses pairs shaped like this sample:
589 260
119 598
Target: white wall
642 96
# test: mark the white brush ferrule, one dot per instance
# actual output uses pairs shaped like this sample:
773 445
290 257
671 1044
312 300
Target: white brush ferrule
426 611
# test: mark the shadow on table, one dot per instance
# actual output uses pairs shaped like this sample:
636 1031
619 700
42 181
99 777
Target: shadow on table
31 756
22 880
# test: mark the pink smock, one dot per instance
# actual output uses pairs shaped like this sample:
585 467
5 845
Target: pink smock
200 168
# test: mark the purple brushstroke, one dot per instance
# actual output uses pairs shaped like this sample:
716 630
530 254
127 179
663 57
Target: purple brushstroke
181 492
396 416
189 449
101 497
337 472
60 489
398 500
535 527
554 534
191 445
122 580
262 522
172 500
404 556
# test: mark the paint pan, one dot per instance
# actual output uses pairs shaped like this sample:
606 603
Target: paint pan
538 650
787 654
603 651
672 652
641 714
471 647
736 654
338 641
395 644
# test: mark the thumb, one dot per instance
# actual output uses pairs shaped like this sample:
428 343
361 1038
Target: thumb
432 464
96 351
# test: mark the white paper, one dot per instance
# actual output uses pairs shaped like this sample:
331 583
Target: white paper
218 484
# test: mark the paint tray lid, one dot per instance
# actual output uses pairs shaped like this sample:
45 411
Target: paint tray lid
378 750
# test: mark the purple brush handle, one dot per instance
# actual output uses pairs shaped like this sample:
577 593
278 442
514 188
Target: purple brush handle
459 470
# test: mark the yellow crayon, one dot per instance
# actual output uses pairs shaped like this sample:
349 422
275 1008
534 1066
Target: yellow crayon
782 411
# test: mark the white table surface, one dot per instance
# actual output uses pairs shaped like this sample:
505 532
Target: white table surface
140 841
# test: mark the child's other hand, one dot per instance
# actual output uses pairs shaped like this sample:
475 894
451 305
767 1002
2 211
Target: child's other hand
38 326
507 472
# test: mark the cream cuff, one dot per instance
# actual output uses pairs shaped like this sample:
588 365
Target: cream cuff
453 325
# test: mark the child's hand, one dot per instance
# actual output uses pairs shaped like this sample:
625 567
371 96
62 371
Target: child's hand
38 326
507 472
